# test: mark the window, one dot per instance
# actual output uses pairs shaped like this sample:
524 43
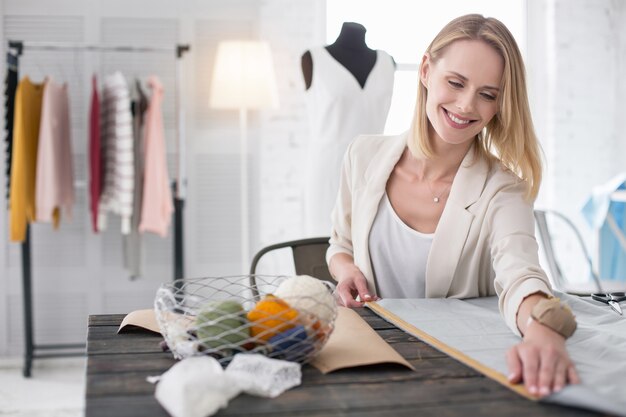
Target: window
404 29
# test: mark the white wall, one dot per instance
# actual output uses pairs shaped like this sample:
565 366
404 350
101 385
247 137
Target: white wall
75 272
578 85
576 66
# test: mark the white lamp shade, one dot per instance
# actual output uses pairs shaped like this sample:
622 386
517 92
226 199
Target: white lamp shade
243 76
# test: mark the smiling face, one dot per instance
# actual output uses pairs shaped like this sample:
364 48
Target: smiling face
463 86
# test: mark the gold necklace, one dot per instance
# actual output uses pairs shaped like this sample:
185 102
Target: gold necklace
436 198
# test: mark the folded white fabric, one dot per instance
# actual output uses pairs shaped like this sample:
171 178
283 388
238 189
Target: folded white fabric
199 387
262 376
195 387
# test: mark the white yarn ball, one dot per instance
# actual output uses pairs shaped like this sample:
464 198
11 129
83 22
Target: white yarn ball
309 295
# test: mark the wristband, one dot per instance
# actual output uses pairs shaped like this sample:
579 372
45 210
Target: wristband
558 317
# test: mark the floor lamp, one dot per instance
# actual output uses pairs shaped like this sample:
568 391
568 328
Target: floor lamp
243 79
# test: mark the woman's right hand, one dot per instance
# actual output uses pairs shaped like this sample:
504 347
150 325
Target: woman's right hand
350 282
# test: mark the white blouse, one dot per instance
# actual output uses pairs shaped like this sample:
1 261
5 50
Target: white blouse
398 253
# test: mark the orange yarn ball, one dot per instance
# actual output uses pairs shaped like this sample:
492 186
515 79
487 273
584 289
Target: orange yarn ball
271 316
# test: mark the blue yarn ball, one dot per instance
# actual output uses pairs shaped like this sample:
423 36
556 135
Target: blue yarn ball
292 344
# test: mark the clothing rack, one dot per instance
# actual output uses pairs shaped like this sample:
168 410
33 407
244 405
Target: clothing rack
16 49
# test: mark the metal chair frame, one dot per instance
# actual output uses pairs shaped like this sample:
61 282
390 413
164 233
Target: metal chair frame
546 240
309 256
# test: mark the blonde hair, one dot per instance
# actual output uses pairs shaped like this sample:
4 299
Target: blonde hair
509 137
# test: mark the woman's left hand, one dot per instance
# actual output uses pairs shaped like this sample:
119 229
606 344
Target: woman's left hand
541 361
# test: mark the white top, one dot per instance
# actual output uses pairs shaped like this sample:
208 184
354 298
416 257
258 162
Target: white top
339 110
398 253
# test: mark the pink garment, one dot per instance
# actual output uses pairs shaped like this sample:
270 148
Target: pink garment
54 189
157 208
95 170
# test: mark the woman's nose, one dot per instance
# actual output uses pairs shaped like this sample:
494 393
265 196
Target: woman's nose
465 103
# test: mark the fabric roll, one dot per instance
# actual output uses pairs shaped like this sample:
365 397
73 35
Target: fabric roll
157 207
28 99
54 188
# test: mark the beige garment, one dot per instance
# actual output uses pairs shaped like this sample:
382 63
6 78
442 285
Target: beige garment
55 175
485 240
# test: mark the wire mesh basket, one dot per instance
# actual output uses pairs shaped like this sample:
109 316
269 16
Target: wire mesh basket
282 317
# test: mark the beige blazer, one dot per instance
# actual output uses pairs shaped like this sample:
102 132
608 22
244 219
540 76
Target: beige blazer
484 243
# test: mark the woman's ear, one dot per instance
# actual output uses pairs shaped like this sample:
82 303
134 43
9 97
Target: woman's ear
425 70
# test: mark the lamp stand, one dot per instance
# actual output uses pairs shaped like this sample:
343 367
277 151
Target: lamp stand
243 149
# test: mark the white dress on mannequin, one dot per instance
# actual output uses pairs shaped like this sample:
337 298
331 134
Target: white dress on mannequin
339 110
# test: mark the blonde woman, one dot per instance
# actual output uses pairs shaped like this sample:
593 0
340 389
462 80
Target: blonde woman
446 209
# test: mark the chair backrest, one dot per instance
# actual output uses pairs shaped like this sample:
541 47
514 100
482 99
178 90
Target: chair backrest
547 240
309 257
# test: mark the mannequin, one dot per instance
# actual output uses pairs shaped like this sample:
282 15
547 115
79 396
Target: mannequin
348 92
350 50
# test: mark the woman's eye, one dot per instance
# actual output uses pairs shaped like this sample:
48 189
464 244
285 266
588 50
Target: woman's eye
487 96
455 84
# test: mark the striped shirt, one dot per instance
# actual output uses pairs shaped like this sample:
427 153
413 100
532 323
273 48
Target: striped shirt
117 152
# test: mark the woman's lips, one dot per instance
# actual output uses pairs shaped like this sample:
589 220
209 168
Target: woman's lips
455 121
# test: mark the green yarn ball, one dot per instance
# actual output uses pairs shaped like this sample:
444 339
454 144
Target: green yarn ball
221 323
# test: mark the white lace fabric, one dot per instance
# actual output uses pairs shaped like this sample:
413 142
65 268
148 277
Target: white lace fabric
198 386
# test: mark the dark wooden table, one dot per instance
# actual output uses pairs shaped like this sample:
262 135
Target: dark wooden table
118 364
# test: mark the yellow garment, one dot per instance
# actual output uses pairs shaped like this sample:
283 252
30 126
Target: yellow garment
26 120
